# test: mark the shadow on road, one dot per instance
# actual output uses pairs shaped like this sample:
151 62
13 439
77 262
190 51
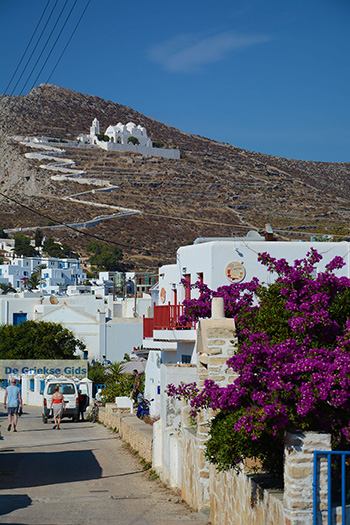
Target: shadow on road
32 469
11 502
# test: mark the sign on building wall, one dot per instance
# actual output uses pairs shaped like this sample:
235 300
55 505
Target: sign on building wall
235 272
58 367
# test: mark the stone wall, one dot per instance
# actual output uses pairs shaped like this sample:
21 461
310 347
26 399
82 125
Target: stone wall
132 430
216 343
195 471
240 500
298 476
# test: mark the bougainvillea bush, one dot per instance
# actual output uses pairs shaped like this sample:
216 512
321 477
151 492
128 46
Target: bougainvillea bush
293 361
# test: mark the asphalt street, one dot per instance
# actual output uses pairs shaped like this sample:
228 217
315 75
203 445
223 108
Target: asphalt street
80 474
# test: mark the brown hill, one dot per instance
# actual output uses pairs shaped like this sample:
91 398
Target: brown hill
215 189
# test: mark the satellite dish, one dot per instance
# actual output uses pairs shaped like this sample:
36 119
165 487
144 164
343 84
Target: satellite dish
53 299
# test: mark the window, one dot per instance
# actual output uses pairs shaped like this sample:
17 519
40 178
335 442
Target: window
187 278
63 389
200 277
19 318
185 359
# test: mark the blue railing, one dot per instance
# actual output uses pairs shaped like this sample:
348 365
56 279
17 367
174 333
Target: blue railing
329 454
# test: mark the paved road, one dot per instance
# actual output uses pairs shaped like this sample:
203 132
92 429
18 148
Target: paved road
79 475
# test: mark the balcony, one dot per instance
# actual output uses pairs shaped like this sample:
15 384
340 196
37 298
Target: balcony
165 318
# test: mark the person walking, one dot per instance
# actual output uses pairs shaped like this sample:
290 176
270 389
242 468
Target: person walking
136 385
58 405
12 401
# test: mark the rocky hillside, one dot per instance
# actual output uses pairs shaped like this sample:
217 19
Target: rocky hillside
214 189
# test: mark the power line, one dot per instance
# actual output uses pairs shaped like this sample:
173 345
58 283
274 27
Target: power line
30 41
43 49
186 219
36 45
70 38
53 47
63 223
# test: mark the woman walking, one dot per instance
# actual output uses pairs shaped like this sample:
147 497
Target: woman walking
58 405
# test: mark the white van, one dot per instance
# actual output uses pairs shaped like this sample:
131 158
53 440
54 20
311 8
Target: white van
68 389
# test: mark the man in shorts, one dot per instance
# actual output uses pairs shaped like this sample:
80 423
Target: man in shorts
13 401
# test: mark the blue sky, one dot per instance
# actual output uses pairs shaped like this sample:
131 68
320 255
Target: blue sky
270 76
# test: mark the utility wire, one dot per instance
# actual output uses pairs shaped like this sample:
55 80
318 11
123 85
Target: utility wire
43 49
201 221
36 45
30 41
63 223
53 47
70 38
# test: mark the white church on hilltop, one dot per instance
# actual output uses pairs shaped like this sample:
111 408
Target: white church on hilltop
125 137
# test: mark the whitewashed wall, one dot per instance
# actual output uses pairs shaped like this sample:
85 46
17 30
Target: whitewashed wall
168 459
122 335
154 152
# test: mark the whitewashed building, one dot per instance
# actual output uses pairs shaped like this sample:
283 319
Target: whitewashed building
121 133
55 272
118 140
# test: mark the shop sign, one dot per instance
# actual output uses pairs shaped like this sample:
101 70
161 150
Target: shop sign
235 272
57 367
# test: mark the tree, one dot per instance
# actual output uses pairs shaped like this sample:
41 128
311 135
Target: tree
101 136
105 256
3 234
133 140
55 249
38 340
158 144
292 363
96 373
38 239
35 279
6 288
117 382
23 246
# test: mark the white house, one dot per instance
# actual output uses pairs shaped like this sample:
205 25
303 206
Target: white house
66 272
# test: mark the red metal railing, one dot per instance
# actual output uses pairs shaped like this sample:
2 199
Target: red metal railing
148 323
165 318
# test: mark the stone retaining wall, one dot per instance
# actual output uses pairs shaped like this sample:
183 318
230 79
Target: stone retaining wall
239 500
195 471
132 430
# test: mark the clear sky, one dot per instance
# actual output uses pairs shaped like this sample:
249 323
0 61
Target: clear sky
271 76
